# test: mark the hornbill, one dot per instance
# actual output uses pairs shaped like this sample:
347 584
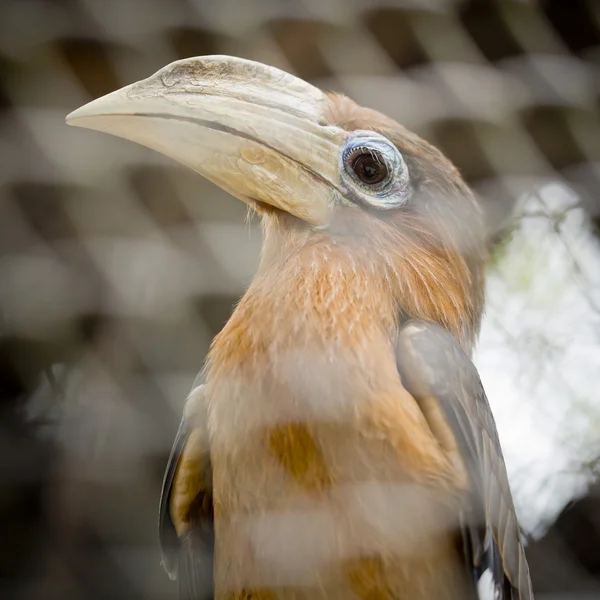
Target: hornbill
342 445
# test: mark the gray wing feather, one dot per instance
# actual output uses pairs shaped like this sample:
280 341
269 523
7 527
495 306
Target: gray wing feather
189 558
167 535
431 361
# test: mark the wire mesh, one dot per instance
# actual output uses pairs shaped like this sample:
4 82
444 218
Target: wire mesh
117 266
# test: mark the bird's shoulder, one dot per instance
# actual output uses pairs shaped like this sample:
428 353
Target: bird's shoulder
444 381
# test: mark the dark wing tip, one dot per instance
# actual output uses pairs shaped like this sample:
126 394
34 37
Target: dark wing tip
195 580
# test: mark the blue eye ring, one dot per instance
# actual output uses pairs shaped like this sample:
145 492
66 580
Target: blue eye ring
374 171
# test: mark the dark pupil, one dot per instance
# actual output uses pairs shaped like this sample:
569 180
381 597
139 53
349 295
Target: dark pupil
369 168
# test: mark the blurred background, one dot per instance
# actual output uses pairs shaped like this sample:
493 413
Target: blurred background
118 266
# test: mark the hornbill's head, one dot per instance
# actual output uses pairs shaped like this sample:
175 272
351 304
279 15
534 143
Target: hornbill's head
359 190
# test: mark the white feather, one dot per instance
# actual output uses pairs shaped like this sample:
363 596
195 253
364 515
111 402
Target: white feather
486 587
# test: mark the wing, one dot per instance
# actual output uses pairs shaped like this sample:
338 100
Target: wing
445 383
185 522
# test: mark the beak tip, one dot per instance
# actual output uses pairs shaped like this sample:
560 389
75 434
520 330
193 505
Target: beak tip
76 118
105 105
71 118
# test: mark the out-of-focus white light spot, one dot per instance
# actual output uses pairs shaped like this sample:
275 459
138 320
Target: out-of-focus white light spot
147 277
313 533
539 353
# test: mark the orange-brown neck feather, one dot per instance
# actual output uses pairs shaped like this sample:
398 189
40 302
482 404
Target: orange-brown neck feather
332 293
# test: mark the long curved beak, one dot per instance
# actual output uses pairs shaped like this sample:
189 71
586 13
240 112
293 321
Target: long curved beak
254 130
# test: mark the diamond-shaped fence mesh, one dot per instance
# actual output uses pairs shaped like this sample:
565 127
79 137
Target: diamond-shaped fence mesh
117 266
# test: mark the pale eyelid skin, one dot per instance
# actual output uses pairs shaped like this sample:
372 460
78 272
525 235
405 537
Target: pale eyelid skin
394 191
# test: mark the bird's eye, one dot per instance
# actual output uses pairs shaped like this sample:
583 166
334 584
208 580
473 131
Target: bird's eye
373 171
368 165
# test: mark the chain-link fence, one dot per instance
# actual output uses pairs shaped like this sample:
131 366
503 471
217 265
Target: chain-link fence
117 267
